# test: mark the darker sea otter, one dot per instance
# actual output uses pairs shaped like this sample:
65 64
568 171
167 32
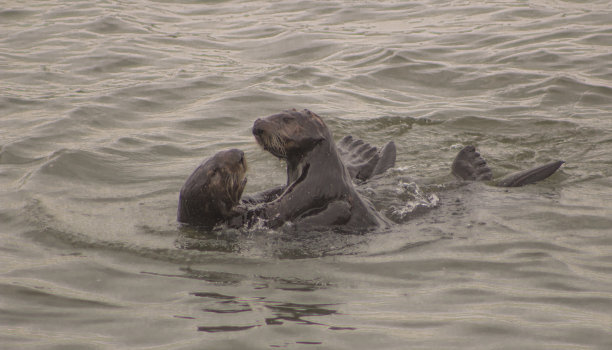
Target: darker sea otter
212 192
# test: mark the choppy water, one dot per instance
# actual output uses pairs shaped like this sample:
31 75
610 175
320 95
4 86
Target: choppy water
106 108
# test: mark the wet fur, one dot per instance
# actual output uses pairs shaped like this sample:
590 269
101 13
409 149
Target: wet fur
212 192
319 190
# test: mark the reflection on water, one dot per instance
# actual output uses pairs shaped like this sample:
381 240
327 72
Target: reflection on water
281 312
274 312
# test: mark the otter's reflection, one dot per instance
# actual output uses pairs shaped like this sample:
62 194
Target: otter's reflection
258 311
276 313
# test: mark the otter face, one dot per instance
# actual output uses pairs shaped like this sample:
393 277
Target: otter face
227 174
290 132
214 188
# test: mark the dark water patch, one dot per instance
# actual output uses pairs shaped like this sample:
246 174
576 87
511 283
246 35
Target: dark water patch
291 47
189 41
110 63
217 329
581 301
426 74
97 116
374 56
255 32
295 284
7 103
481 124
306 77
213 295
517 14
544 38
504 269
63 239
494 80
13 154
518 248
213 244
603 39
293 312
16 14
49 298
85 166
405 247
215 277
561 90
113 25
534 58
287 243
363 96
571 286
255 97
568 222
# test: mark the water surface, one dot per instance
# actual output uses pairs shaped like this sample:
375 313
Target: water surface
107 107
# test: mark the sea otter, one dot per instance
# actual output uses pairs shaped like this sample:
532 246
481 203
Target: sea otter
319 190
212 192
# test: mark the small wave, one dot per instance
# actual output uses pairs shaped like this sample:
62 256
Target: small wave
50 297
293 46
561 89
113 25
110 63
86 166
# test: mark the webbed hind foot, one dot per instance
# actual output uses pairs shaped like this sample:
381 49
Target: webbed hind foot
469 165
362 160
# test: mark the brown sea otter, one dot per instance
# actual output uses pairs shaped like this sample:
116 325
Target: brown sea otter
212 192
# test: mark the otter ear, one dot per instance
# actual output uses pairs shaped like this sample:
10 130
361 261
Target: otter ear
315 118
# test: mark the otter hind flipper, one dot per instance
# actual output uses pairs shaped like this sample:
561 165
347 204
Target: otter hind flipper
469 165
526 177
387 158
363 160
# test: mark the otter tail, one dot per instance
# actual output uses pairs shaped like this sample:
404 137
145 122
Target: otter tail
526 177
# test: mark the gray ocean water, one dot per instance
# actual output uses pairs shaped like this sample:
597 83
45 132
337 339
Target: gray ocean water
107 106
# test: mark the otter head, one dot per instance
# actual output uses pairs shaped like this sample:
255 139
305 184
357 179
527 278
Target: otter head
290 133
214 189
